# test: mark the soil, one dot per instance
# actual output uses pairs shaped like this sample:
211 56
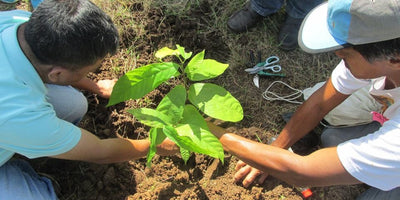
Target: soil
169 177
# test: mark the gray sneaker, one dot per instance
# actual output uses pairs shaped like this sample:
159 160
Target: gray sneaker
244 19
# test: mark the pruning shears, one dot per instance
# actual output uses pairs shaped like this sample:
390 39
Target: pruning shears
269 67
268 64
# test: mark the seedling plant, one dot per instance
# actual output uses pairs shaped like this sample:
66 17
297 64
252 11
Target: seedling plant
180 114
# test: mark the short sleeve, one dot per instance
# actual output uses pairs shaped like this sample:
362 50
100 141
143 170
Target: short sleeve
344 82
38 133
374 159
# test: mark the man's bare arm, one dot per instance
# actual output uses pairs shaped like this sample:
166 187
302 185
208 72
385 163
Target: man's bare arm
92 149
321 168
305 119
309 114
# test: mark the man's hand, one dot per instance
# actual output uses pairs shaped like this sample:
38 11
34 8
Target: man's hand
248 174
167 147
106 87
102 87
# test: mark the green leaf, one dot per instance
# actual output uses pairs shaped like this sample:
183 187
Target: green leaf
156 137
165 51
182 52
182 142
173 103
185 154
215 101
192 117
138 82
199 69
195 127
151 117
207 145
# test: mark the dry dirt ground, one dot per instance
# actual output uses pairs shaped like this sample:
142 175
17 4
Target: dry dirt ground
202 177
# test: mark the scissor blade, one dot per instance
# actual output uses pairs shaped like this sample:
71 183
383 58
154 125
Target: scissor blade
256 80
251 70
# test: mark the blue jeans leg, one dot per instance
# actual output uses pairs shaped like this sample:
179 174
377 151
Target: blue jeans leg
332 136
374 194
266 7
19 181
294 8
69 103
300 8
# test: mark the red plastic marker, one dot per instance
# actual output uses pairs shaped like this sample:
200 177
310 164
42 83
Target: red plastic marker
306 192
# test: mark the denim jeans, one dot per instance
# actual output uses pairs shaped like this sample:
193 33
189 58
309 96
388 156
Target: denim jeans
294 8
332 136
19 181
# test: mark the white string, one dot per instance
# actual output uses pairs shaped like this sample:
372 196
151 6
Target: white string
291 98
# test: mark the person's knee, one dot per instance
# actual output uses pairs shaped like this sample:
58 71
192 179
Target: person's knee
334 136
329 138
69 104
79 107
374 193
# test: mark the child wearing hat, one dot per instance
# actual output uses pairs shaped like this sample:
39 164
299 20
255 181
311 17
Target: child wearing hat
365 34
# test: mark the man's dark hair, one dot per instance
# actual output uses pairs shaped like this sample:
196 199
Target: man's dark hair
70 33
384 50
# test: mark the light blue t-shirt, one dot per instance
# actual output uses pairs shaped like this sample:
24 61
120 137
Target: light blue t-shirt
28 123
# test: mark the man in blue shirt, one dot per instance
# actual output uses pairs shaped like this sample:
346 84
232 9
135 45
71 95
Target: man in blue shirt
34 3
58 44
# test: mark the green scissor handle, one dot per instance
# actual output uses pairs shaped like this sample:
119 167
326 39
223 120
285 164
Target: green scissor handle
262 73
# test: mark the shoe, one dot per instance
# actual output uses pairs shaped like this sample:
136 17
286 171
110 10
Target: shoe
288 33
244 19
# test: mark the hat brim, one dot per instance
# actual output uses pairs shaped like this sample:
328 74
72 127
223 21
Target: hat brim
314 35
